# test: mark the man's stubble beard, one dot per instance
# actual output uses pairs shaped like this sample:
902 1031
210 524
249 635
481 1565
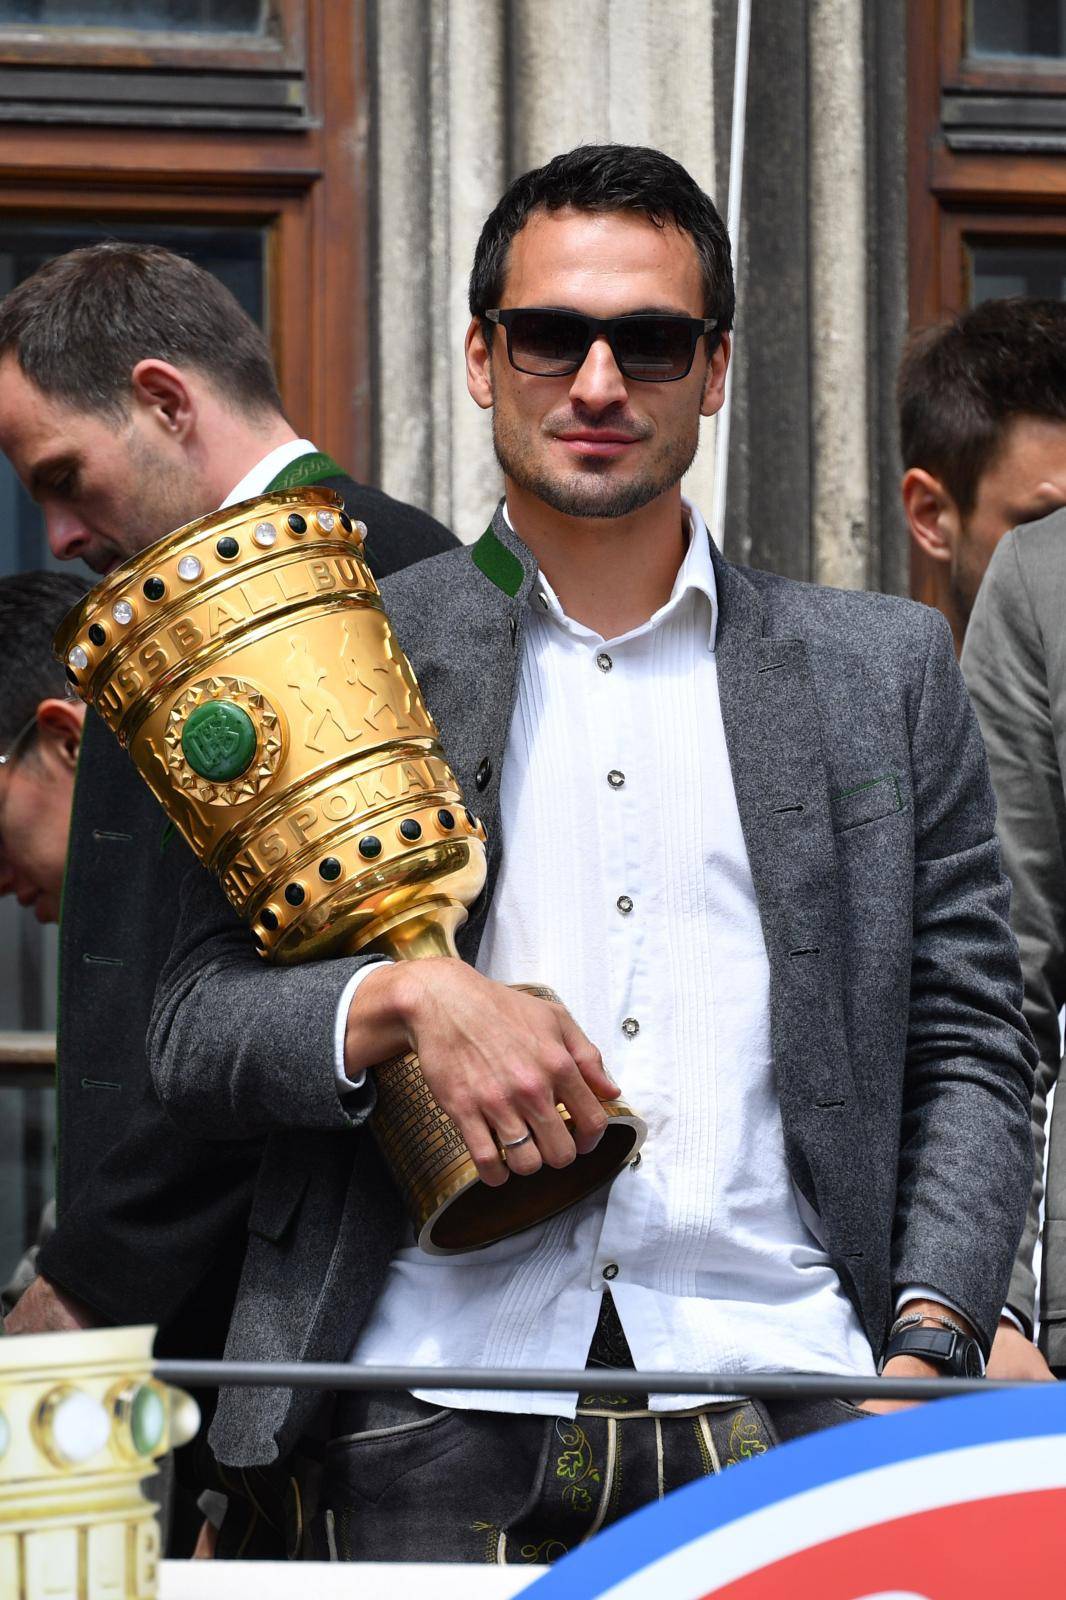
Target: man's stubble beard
167 497
591 491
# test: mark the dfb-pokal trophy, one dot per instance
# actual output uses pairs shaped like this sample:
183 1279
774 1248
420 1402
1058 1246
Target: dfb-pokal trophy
248 666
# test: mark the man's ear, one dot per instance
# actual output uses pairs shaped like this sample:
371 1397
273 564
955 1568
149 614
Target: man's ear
163 392
478 365
931 512
59 726
714 382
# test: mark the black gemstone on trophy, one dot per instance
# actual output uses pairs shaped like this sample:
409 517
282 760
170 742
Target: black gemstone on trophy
268 918
227 547
410 828
370 846
294 894
154 588
346 522
329 868
97 634
72 676
471 819
296 522
446 820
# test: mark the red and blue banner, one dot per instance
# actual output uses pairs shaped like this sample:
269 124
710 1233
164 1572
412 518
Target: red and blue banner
954 1500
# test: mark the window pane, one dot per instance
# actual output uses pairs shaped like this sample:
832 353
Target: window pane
1017 28
998 270
167 16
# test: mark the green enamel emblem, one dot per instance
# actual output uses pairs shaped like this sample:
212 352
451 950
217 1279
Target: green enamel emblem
147 1420
218 741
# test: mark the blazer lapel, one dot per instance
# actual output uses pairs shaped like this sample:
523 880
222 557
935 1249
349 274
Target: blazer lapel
506 573
773 734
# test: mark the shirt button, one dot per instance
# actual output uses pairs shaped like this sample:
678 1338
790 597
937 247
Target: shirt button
616 778
631 1027
624 904
604 662
610 1270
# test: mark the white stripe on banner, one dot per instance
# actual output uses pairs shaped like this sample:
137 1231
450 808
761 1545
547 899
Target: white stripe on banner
847 1505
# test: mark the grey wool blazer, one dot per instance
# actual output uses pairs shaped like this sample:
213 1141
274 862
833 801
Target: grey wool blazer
1014 662
903 1063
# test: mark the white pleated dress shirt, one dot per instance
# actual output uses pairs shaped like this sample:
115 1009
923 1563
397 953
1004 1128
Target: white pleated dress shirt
625 887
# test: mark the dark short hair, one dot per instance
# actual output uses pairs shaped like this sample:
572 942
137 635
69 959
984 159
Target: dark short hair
32 605
963 383
82 322
609 177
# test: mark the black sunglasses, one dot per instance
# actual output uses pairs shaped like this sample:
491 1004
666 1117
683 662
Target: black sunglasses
648 348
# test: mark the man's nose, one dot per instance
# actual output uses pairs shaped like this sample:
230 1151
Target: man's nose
598 383
68 537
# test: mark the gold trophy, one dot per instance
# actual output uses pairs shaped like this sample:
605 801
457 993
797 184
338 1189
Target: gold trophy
82 1424
247 665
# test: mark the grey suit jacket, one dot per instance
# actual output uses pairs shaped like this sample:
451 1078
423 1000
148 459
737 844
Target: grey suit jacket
903 1063
1014 662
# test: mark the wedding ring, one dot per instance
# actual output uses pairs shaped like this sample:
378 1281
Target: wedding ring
512 1144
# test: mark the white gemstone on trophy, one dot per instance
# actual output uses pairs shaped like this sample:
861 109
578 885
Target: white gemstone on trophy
78 659
265 534
359 529
325 520
80 1427
122 612
189 568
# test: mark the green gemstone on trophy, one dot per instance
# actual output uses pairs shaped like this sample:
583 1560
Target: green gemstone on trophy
219 741
147 1420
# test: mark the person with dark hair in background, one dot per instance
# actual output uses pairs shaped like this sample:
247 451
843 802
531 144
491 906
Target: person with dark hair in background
1014 662
40 734
136 395
982 421
744 828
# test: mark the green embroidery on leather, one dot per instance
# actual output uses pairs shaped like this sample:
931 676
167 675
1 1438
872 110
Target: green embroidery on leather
304 471
545 1553
745 1440
497 563
576 1466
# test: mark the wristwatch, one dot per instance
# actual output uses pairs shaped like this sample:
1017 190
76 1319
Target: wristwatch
949 1348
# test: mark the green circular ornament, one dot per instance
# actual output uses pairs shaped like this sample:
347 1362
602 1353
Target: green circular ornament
219 741
147 1420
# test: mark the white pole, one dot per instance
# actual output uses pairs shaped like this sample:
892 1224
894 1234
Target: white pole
733 209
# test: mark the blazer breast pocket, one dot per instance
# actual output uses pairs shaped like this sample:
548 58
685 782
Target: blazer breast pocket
866 802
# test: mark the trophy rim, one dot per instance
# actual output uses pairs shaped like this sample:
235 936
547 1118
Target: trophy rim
127 572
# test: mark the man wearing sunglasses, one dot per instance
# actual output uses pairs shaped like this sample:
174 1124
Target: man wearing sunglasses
743 827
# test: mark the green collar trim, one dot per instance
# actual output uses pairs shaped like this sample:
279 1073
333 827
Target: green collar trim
498 564
304 471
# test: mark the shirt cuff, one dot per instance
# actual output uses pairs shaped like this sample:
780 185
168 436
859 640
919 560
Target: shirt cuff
345 1085
1014 1320
922 1291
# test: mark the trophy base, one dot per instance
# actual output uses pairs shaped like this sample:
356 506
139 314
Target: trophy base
451 1208
470 1215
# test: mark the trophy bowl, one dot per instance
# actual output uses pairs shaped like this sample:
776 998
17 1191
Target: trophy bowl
247 665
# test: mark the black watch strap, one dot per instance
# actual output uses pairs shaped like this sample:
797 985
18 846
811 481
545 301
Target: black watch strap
956 1353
